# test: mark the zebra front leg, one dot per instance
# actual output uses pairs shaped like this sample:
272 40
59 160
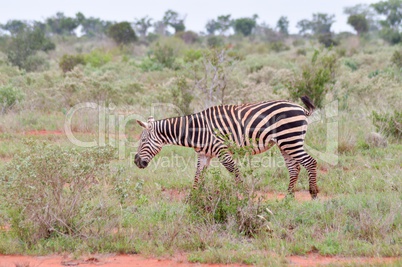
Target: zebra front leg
202 163
294 170
227 161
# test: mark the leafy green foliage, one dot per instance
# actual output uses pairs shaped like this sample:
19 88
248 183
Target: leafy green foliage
389 124
391 25
182 95
53 191
24 45
215 41
163 54
9 96
91 26
397 58
315 78
14 26
359 23
244 26
283 25
221 24
62 25
173 19
97 58
68 62
122 33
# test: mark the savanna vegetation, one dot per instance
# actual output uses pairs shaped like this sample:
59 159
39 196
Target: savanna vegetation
57 196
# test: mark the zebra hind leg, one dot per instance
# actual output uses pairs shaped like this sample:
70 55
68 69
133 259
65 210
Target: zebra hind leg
294 170
310 164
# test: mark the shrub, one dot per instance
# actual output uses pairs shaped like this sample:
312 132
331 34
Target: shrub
163 54
9 96
327 40
351 64
215 41
389 124
182 95
390 35
397 59
122 33
278 46
189 37
192 55
218 200
97 58
68 62
315 78
53 191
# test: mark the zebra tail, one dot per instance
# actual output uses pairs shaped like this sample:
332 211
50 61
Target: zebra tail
309 104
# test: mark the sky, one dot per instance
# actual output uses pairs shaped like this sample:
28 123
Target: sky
197 12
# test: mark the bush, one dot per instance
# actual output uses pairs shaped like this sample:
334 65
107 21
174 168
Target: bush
327 40
218 200
182 95
351 64
315 78
189 37
122 33
392 36
68 62
389 124
192 55
23 47
9 96
163 54
215 41
97 58
397 59
53 191
278 46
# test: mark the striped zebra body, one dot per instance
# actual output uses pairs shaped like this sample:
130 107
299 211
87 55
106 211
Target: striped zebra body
258 126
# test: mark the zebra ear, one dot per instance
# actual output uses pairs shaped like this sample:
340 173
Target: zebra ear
150 119
142 124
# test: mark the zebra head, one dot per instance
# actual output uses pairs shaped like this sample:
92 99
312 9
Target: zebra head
150 144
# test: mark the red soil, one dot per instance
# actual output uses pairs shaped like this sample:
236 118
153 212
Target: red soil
103 260
311 259
44 132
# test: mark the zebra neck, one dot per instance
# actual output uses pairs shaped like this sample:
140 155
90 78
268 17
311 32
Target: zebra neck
173 130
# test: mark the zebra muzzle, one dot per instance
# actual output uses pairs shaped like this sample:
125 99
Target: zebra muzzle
139 162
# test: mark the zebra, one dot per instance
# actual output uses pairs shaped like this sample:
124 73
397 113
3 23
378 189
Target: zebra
256 125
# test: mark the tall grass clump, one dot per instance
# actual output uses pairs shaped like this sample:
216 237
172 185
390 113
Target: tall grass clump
9 97
218 200
50 191
389 124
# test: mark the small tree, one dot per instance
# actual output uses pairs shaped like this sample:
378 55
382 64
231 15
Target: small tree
221 24
283 25
143 25
14 26
24 45
359 23
122 33
173 19
245 26
392 25
60 24
320 26
92 26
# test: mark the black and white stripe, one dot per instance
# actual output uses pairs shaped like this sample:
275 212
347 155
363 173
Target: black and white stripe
258 126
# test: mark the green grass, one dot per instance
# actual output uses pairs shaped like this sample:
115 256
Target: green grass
358 214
